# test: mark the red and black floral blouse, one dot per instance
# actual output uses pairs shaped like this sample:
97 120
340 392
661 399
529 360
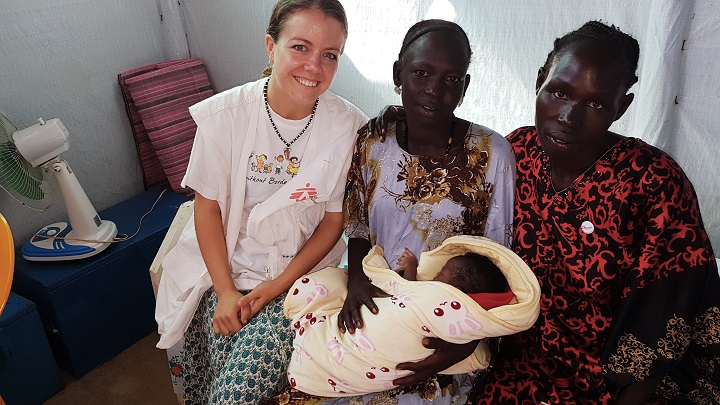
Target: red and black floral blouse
630 287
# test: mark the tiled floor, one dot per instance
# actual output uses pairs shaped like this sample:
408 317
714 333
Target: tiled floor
139 375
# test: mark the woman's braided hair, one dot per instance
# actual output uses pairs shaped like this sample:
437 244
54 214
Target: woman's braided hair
608 36
423 27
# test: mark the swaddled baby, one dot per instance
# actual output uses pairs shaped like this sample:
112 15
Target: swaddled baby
456 306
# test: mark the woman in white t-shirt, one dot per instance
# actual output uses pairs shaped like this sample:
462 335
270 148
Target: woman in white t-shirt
268 167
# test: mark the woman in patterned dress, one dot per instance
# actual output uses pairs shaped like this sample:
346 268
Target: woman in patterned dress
612 229
428 177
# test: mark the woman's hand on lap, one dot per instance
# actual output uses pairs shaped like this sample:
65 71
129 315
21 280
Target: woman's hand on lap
249 305
226 320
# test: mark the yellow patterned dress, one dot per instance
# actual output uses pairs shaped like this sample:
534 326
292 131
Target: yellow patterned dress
398 200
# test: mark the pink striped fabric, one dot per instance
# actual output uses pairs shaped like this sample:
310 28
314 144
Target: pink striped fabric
157 98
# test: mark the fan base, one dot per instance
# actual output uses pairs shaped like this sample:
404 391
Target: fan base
46 246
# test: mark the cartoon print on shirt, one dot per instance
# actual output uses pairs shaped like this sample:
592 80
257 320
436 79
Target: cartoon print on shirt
339 386
293 166
311 319
257 162
337 352
400 300
427 332
308 289
384 374
298 339
260 163
362 341
278 167
454 315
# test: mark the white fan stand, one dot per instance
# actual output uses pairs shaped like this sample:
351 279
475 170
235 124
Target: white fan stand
85 234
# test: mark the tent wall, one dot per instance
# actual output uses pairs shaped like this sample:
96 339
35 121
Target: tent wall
677 98
61 58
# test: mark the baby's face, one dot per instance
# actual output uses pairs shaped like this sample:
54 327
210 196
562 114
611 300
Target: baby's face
446 274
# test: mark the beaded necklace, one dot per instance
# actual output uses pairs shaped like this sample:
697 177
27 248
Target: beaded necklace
267 109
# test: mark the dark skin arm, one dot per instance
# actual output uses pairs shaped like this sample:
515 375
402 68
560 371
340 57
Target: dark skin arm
446 354
360 290
389 113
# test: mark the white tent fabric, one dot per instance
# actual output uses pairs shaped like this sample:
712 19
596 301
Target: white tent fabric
175 44
677 98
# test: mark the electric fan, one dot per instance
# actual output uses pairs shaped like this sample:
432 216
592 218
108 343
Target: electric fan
23 182
39 147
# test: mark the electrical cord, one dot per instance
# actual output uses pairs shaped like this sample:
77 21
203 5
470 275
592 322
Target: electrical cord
121 237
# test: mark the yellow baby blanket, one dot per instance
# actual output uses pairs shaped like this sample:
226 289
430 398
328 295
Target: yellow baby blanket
328 363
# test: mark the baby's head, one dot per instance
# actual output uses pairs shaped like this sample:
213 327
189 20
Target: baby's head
472 273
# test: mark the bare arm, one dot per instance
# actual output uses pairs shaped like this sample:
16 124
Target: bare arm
211 239
446 354
317 246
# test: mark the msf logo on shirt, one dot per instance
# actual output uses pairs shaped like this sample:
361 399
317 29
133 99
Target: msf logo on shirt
304 193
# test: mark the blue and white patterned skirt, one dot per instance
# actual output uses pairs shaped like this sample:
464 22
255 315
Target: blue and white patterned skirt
245 368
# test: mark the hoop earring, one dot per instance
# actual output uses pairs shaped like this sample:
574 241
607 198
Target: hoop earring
461 100
398 90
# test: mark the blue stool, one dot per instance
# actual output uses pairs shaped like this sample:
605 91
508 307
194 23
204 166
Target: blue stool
28 372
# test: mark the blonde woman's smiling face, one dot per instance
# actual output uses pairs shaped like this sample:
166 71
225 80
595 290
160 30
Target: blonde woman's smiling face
305 60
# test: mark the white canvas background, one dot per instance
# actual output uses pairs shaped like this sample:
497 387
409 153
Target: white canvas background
677 98
60 58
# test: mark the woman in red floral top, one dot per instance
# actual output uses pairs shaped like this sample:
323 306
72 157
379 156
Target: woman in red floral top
612 229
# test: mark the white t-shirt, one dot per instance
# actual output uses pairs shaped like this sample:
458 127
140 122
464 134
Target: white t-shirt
270 166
